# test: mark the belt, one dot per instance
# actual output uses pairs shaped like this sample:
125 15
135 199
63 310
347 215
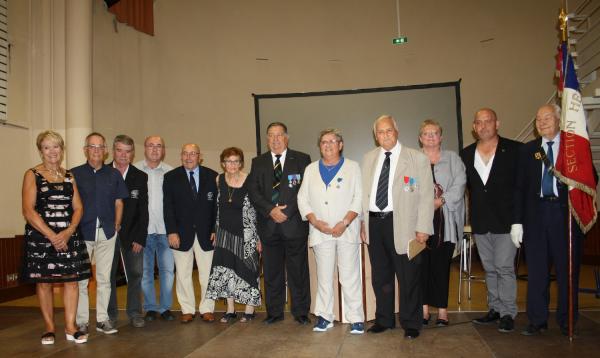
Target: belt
380 214
549 198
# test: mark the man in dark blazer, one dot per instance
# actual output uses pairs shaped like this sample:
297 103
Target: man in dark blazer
541 209
190 196
491 167
131 239
273 185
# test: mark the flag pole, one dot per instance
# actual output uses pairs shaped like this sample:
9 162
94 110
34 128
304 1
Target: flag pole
563 18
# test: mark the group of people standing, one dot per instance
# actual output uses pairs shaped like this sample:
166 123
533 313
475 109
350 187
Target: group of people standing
226 222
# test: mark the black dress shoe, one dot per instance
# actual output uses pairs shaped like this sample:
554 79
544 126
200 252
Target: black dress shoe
534 329
411 333
377 328
167 315
273 319
491 317
303 319
151 315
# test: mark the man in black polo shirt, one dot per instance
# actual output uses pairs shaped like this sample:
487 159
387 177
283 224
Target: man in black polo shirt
102 189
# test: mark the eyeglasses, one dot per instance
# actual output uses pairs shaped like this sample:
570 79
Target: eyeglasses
330 142
189 154
232 161
273 135
154 146
430 134
95 146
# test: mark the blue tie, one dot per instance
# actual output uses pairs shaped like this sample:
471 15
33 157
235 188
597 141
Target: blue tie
548 178
193 184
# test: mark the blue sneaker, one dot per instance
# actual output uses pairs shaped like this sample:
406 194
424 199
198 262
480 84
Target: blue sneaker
322 325
357 328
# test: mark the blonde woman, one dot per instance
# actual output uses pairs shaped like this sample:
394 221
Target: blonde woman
54 251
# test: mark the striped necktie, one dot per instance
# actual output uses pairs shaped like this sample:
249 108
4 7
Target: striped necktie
277 173
381 198
193 184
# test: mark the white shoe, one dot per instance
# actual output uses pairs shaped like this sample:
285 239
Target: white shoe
77 337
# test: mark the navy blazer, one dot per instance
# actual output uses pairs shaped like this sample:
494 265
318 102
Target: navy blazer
260 188
529 183
491 205
188 216
134 222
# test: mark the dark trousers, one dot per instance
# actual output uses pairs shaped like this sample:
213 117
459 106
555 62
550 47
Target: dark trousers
280 255
546 243
435 274
386 264
133 271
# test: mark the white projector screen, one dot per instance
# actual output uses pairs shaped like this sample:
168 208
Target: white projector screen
353 113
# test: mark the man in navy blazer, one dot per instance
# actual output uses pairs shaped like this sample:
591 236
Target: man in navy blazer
190 196
273 185
132 236
491 171
541 218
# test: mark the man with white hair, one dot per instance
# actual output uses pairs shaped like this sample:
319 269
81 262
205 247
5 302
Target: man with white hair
541 213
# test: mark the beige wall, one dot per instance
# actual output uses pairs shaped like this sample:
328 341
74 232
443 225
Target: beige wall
193 81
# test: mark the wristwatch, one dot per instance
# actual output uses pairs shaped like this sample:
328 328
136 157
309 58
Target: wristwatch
443 200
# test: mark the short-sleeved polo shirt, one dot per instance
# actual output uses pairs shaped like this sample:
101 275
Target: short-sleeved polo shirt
98 190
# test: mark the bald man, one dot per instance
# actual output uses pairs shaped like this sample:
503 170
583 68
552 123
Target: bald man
491 170
190 196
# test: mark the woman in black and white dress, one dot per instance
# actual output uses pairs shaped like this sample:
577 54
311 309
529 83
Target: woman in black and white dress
54 252
234 274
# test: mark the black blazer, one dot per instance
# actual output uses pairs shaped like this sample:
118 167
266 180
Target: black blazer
260 188
134 224
185 215
529 183
491 205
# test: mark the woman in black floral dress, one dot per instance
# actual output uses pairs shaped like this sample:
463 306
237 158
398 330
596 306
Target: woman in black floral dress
54 253
234 274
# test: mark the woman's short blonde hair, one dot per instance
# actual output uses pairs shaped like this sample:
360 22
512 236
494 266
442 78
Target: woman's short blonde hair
430 122
52 136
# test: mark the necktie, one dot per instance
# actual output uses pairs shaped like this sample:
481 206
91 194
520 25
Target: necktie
193 184
277 173
381 199
547 177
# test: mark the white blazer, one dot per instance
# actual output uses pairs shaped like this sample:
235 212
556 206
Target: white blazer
332 203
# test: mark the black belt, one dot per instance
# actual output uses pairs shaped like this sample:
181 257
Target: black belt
549 198
380 214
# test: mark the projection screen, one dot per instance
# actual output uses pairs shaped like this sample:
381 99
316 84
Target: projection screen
353 113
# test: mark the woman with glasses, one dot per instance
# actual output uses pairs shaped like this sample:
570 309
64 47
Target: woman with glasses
54 252
449 182
234 274
330 199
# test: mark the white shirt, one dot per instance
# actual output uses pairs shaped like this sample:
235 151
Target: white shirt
393 162
281 159
156 222
124 173
483 169
555 149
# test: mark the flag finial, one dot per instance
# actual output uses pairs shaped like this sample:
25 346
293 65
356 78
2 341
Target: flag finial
562 18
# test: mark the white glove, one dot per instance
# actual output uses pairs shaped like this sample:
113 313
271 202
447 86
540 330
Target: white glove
516 234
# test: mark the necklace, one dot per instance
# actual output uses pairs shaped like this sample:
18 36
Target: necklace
57 173
230 192
234 179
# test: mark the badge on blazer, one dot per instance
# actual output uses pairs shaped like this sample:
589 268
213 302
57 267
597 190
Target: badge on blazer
135 194
294 180
209 196
410 184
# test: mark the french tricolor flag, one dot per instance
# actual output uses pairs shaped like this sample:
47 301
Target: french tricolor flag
574 165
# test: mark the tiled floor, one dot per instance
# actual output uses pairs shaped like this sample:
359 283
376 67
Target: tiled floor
21 326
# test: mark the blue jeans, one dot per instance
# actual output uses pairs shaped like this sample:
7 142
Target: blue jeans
157 245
